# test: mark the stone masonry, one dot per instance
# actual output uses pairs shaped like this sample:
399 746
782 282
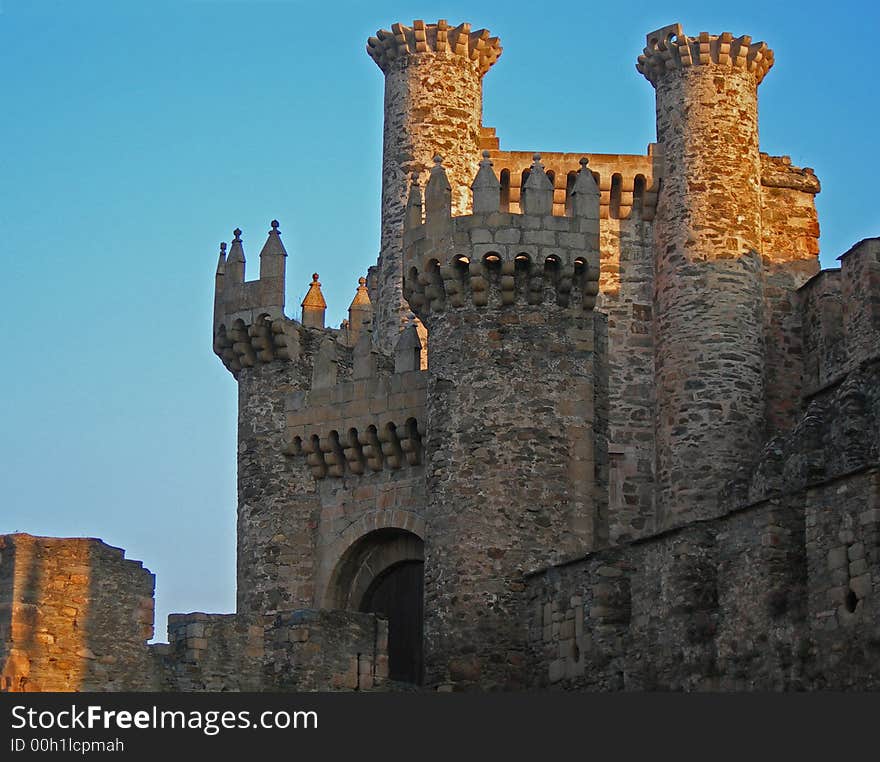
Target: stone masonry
594 422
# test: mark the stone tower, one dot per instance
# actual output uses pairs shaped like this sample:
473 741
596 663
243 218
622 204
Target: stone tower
708 324
258 345
514 410
433 102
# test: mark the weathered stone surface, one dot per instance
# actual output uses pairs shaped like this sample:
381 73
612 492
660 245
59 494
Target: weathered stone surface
640 450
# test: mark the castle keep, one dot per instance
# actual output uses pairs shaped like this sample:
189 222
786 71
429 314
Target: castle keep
594 422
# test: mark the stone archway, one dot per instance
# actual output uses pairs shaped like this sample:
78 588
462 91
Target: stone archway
383 573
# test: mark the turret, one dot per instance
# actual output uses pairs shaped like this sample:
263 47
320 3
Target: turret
433 99
269 355
708 321
515 429
313 305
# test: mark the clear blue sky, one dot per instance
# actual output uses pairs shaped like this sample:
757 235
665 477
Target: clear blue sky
136 135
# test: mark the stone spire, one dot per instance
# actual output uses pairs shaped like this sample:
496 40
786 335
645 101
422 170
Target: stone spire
486 188
219 278
273 254
235 260
585 193
360 311
438 193
537 195
314 306
221 262
414 203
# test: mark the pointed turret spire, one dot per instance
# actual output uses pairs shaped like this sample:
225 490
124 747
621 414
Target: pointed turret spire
585 193
221 262
235 260
537 195
438 192
408 350
361 309
486 188
413 216
314 306
364 358
273 254
219 279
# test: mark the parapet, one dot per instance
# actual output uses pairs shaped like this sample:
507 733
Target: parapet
370 423
234 298
669 48
479 47
249 322
497 257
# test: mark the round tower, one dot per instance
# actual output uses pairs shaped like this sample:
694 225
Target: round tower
433 103
707 243
515 414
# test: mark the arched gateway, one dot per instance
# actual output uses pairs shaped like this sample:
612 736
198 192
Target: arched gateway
383 573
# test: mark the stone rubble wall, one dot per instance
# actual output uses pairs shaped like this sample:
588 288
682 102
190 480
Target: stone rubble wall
75 615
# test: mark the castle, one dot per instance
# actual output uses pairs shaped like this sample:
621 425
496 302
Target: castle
595 422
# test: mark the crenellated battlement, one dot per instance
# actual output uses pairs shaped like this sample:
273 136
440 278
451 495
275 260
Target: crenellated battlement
494 257
369 420
669 48
628 183
402 41
359 426
250 326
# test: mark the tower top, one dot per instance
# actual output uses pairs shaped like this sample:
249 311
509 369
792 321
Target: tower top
670 48
420 38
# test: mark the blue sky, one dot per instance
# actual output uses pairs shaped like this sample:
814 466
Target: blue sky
137 135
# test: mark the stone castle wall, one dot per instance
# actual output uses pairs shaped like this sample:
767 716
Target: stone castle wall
607 402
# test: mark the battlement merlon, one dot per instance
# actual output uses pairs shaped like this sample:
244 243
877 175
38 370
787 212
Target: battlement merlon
447 259
234 297
402 41
669 48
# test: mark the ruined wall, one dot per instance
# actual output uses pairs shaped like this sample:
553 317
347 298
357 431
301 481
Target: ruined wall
75 615
708 309
433 104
